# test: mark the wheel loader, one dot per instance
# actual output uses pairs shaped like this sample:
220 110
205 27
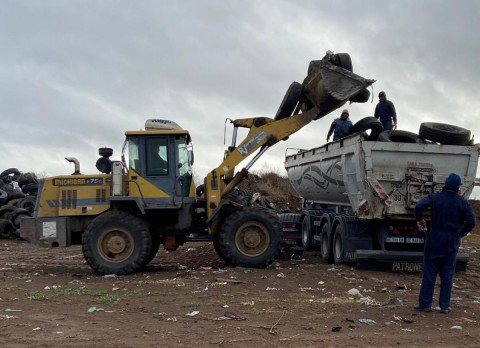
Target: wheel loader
149 198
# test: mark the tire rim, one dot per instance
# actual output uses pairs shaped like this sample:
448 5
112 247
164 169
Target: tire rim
116 245
252 239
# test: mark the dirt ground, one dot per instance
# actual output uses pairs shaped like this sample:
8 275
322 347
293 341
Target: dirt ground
189 298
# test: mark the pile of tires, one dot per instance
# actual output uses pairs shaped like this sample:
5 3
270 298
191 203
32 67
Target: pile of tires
18 193
429 132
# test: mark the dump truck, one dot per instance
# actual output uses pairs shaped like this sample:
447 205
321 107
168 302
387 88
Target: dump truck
359 193
149 197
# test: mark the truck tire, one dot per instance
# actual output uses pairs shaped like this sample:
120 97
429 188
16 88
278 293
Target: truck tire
443 133
365 124
338 246
9 171
307 233
250 237
155 247
290 101
326 243
400 136
17 215
117 242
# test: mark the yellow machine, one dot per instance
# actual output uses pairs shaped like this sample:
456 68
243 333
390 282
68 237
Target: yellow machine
148 198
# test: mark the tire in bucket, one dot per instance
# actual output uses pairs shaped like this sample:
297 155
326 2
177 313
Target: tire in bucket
443 133
290 101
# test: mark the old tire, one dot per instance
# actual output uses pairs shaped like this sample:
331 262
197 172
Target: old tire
155 247
117 242
3 197
250 237
326 243
367 123
361 97
343 60
28 203
17 214
400 136
444 133
7 230
6 211
10 171
307 233
290 101
338 246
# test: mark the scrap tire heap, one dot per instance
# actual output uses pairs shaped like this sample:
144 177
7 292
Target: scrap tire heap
18 193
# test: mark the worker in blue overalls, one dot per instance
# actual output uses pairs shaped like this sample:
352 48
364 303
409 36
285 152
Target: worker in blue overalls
451 219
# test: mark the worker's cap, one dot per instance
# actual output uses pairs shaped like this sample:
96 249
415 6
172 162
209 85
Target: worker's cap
345 111
453 181
381 94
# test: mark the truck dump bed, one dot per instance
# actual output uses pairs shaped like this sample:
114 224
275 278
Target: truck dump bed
376 179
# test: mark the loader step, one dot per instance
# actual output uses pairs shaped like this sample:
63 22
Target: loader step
398 261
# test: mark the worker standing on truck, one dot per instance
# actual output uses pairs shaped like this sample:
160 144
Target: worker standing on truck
340 126
385 112
451 219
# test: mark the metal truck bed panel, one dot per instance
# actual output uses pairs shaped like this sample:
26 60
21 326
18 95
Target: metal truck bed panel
383 178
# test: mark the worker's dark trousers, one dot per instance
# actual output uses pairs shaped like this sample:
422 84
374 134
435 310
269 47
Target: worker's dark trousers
445 268
387 124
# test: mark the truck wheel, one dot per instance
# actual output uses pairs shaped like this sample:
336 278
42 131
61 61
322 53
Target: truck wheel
250 237
155 247
326 243
338 249
117 242
365 124
400 136
444 133
307 233
290 101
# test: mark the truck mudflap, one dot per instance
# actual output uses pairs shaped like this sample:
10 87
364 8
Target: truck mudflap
399 261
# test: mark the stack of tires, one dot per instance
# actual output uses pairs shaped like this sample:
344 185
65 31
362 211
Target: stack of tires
18 194
429 132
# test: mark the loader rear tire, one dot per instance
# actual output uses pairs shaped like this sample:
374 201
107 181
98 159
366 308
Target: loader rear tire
442 133
117 242
250 237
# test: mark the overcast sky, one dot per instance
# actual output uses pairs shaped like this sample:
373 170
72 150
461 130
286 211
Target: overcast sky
75 75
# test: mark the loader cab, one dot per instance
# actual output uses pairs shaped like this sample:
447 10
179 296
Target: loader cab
160 162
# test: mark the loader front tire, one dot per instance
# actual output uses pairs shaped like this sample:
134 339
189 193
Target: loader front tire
117 242
250 237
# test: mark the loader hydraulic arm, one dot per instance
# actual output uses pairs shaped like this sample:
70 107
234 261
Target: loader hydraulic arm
326 88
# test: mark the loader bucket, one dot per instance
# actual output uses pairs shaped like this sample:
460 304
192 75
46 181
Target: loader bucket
328 86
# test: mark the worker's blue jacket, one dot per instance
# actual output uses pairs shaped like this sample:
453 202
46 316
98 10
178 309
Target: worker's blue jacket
451 218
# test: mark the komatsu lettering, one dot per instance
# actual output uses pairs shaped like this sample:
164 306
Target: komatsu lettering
77 181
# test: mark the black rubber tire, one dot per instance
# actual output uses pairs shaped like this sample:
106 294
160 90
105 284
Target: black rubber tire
290 101
6 211
216 246
400 136
3 197
443 133
326 243
361 97
365 124
9 171
338 246
200 190
31 188
117 242
15 201
155 247
17 214
28 203
250 237
7 230
343 60
313 64
307 233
